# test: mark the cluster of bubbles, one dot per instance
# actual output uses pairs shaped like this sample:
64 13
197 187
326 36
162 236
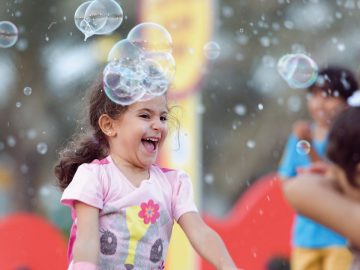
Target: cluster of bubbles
140 66
8 34
100 17
298 70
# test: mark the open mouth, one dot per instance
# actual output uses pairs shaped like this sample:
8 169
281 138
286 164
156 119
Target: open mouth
150 143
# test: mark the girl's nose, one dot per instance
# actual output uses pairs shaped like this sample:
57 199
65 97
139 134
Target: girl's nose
157 125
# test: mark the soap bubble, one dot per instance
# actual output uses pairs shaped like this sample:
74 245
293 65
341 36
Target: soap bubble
151 37
123 84
42 148
27 91
303 147
114 17
90 17
211 50
125 52
8 34
159 70
298 70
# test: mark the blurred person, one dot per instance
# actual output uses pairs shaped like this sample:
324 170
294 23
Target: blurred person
330 193
124 206
315 247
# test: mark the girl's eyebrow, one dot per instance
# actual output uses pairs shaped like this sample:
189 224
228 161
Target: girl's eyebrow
151 111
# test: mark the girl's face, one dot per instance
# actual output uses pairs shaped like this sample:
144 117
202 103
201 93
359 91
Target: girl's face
140 132
324 108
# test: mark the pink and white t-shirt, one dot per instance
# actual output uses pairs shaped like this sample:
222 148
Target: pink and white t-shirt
135 223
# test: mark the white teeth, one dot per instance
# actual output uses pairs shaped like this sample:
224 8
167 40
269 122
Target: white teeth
152 139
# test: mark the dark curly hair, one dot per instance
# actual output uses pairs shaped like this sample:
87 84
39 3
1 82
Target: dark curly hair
91 143
336 81
344 142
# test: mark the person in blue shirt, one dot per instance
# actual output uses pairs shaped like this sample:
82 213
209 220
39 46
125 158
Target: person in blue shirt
315 247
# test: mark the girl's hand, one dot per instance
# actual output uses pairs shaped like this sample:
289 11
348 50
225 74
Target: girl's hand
318 167
302 130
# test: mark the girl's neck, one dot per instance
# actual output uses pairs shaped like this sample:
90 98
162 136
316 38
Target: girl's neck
133 173
320 132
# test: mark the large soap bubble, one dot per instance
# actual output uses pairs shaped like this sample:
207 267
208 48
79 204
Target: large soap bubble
298 70
159 70
125 52
114 17
90 17
151 37
100 17
8 34
123 83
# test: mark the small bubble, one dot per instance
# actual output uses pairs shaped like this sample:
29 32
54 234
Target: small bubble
209 178
24 169
341 47
240 109
212 50
44 191
260 107
11 141
251 144
18 104
31 134
27 91
303 147
42 148
200 109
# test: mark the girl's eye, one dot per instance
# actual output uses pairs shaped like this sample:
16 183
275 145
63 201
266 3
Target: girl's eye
146 116
163 118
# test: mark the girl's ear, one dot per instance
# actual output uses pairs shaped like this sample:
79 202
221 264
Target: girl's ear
106 124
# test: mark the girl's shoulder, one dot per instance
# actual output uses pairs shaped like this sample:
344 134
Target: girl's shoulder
172 175
93 167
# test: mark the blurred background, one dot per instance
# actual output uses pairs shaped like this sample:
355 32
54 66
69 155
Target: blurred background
242 107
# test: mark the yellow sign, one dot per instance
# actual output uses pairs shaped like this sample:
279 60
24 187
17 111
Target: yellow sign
189 23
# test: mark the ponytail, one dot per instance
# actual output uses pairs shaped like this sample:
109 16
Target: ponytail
83 149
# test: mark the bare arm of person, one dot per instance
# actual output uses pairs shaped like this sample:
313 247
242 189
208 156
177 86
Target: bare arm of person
87 243
206 241
316 197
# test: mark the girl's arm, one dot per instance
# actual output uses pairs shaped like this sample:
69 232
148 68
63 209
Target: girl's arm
206 241
316 197
87 244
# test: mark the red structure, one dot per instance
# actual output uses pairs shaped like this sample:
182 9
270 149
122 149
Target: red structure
32 243
259 226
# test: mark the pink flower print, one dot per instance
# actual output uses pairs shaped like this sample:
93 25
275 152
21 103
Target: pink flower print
162 266
149 212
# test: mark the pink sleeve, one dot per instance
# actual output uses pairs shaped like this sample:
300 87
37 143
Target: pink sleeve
85 187
182 198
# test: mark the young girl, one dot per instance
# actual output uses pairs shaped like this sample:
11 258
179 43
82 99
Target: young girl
124 206
330 193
